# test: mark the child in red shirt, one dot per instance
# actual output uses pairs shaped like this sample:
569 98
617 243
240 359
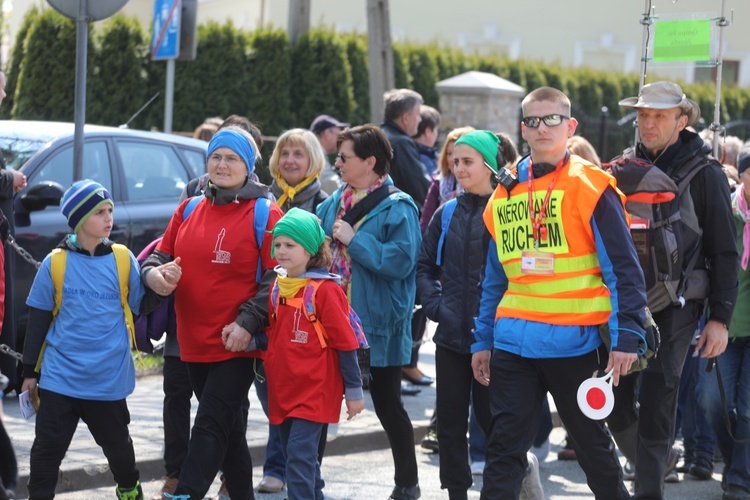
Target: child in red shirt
306 381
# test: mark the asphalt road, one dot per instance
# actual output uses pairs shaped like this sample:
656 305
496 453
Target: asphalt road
369 475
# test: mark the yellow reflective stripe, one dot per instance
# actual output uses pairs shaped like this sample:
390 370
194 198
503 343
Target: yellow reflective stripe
553 286
562 264
555 305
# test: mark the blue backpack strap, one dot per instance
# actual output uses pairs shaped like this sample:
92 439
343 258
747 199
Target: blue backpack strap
191 204
262 210
448 208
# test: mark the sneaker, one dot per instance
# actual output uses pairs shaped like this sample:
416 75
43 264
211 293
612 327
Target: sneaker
477 468
541 451
687 462
134 493
169 486
628 471
567 453
270 484
430 441
670 473
702 469
531 487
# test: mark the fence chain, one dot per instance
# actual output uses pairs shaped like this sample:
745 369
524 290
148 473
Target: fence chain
24 253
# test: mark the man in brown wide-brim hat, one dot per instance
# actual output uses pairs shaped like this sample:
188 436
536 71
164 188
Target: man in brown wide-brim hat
645 435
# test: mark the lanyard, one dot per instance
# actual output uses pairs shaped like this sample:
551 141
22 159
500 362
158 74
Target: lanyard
539 232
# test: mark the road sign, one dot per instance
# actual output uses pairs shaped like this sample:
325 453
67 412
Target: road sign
165 38
93 11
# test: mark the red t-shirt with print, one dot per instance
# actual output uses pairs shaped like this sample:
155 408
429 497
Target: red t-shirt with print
219 259
304 379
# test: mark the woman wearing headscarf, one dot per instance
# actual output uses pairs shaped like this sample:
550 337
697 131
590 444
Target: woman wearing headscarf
295 165
221 307
376 257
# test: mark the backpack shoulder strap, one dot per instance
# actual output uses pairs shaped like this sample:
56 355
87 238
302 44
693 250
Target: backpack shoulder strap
191 204
366 204
684 175
275 296
308 306
448 208
122 259
57 270
260 221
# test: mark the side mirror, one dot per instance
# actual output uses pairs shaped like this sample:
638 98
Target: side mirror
42 195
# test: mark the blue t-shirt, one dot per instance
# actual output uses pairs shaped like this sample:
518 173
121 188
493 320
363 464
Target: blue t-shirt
88 348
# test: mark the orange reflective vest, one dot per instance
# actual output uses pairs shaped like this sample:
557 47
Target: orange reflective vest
574 294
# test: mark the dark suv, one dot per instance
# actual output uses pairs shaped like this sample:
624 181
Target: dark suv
145 172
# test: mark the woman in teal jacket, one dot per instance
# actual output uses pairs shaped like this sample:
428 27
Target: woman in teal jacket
376 257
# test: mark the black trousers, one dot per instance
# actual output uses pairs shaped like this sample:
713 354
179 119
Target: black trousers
385 389
653 408
56 422
218 437
177 394
516 390
8 463
456 390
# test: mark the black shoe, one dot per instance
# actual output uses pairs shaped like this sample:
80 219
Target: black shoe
430 441
735 492
406 493
424 380
702 468
409 390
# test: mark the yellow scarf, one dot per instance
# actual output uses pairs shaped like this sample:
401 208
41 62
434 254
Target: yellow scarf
288 287
291 191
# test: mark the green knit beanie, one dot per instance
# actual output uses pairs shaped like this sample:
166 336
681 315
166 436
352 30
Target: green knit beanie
301 226
483 141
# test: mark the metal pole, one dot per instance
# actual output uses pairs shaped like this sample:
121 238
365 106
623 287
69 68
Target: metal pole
716 125
646 21
169 102
603 132
79 115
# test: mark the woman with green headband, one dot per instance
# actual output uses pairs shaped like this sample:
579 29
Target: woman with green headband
306 379
448 270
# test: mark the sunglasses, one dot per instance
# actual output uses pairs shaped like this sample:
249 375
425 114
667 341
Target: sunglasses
549 120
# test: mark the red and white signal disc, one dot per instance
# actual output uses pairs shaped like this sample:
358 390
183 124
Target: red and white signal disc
595 397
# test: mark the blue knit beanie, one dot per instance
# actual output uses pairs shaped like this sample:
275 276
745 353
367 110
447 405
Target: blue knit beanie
83 199
237 142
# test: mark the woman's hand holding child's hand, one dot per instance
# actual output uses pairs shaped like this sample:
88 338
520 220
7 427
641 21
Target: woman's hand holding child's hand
354 407
163 279
235 338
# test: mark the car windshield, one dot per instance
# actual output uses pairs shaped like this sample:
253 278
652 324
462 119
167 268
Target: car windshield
17 150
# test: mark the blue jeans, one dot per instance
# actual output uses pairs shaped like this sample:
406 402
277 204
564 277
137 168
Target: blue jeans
275 464
477 440
734 364
299 440
697 435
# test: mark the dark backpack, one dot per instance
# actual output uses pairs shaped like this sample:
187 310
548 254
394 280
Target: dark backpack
664 227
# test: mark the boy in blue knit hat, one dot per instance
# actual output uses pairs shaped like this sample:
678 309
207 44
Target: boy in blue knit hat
77 342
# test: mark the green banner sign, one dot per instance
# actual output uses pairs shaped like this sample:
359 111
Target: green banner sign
682 40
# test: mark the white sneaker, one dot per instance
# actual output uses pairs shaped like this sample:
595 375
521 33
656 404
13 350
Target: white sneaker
477 468
531 488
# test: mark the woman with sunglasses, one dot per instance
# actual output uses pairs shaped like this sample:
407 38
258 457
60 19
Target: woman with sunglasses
376 256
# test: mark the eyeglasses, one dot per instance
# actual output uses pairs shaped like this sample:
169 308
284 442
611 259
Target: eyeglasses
344 158
230 160
549 120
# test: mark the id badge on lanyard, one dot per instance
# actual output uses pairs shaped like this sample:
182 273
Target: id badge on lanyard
536 262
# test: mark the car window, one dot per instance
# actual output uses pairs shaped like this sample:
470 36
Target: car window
153 171
16 150
196 161
59 166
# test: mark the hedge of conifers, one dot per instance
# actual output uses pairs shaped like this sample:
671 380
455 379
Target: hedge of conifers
260 75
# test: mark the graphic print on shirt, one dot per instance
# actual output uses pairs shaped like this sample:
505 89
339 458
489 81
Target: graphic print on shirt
300 336
222 256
